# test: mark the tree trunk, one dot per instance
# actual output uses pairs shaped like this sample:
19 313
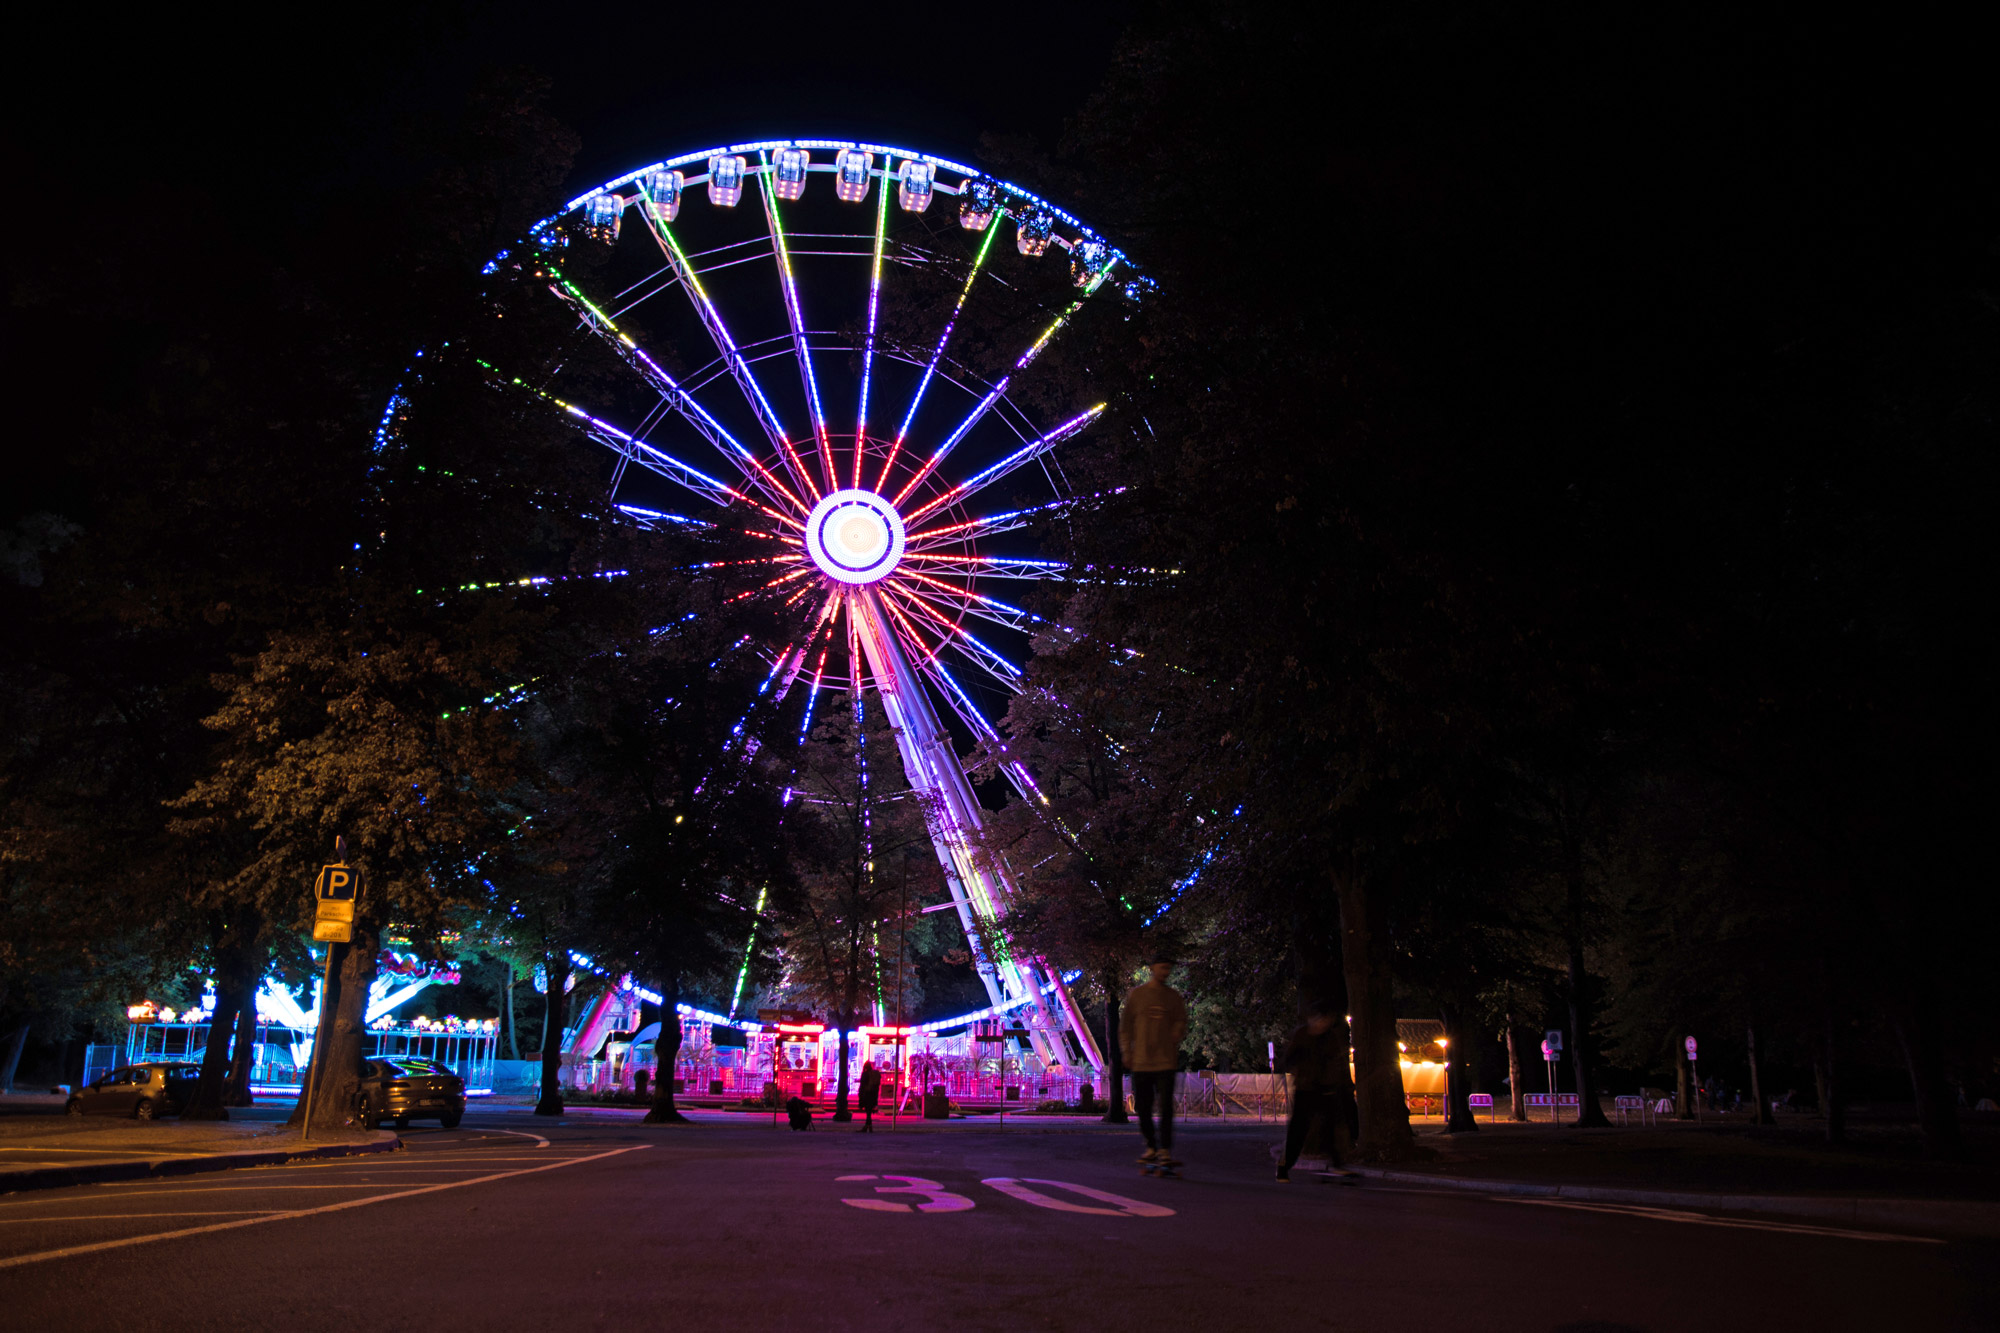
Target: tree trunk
842 1026
239 957
1683 1098
10 1063
1923 1051
334 1074
513 1025
1517 1108
206 1102
1378 1077
666 1055
1458 1075
1826 1083
1323 982
1763 1116
243 1059
1583 1056
556 967
1114 1056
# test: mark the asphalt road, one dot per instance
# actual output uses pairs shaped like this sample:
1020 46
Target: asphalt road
510 1222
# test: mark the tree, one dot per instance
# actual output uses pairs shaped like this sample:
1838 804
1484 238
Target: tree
386 745
843 937
1100 852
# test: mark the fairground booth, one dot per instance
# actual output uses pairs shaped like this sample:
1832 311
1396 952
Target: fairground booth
285 1027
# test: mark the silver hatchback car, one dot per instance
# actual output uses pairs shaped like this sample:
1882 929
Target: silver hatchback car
140 1091
402 1088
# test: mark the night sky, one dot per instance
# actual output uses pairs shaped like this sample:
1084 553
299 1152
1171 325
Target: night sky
246 100
1696 314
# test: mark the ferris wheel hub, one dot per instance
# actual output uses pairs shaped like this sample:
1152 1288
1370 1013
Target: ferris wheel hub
855 536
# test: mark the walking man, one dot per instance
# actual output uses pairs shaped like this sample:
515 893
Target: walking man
1149 1034
1316 1057
871 1095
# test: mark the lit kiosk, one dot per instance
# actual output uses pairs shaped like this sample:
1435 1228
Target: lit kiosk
889 1048
790 1044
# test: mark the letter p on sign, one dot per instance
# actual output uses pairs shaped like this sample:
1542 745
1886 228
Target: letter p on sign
338 883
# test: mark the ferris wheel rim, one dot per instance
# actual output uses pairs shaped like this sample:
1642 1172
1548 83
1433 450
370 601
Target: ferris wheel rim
833 145
919 606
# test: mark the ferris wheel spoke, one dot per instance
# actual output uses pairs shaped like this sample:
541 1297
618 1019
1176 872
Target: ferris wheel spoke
980 654
739 369
991 524
991 566
673 392
1090 287
993 396
796 317
782 581
961 703
956 598
868 346
652 518
937 354
632 449
1025 454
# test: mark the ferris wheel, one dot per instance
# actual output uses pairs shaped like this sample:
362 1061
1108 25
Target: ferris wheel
833 346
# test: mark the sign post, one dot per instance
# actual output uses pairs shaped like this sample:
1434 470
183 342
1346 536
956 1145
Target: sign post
335 890
1694 1076
1552 1046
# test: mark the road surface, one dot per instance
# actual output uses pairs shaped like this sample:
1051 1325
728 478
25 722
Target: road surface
513 1222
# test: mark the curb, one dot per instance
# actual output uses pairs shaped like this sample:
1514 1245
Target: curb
1966 1216
98 1173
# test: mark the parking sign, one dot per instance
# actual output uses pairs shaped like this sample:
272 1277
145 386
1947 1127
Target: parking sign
334 892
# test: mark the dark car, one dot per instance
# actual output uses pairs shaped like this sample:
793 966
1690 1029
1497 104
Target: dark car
403 1088
140 1091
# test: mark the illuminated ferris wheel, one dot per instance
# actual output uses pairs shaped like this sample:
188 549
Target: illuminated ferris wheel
834 346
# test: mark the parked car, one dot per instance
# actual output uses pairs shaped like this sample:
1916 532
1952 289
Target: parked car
140 1091
403 1088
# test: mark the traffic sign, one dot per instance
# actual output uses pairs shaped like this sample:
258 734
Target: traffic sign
1690 1049
337 883
1554 1039
334 892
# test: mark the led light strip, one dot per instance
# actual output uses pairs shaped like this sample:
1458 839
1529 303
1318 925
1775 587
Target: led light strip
797 318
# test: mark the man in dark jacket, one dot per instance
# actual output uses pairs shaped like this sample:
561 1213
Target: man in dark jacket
1316 1057
871 1095
1150 1031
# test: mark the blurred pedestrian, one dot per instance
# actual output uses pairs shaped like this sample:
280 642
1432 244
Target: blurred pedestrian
1315 1055
1149 1034
871 1095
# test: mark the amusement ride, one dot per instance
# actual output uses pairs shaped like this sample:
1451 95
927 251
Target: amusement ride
884 451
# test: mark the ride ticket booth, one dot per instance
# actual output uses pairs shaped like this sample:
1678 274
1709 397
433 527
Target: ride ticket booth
795 1049
889 1048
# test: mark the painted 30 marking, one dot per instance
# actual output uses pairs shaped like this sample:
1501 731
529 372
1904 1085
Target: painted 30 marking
937 1199
1017 1188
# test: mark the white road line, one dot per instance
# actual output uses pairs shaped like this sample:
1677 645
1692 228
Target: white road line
460 1157
1703 1219
20 1260
126 1152
540 1142
216 1189
120 1217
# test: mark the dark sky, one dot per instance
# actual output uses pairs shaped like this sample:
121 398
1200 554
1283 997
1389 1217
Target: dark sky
247 98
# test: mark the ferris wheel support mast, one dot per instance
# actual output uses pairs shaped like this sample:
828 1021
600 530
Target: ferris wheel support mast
980 886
